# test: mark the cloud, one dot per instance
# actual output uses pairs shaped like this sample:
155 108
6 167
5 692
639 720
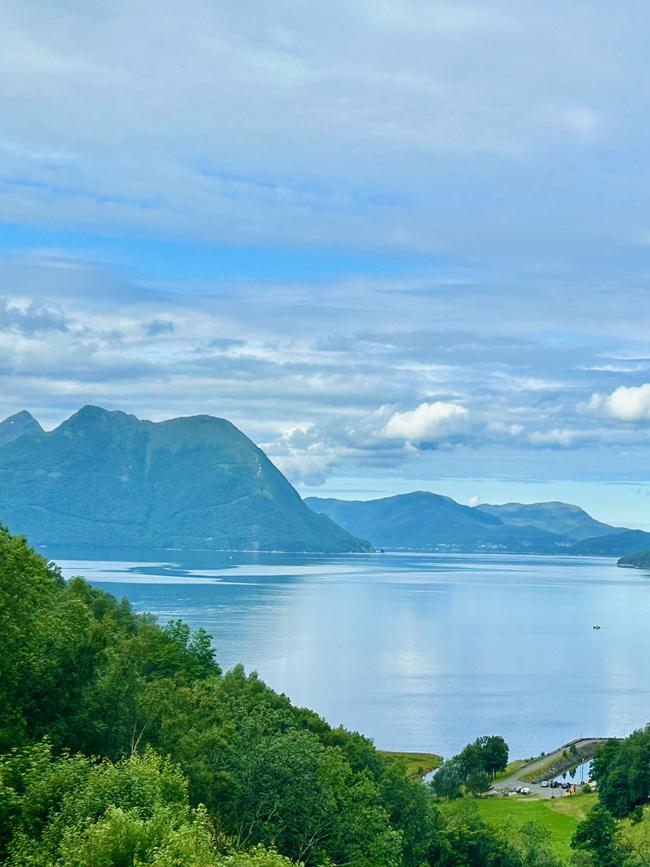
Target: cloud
554 438
303 456
428 423
453 116
626 403
159 326
32 319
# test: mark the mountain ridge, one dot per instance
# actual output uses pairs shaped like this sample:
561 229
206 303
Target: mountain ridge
108 479
554 516
422 520
427 521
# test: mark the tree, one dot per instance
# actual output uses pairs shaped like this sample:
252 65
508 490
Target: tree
472 769
622 771
600 836
495 754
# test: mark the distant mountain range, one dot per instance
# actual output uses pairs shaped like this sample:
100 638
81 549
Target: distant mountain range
555 517
427 521
108 479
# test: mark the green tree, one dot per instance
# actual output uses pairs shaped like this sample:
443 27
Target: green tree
622 771
600 836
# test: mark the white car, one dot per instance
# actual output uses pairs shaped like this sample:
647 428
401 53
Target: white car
544 784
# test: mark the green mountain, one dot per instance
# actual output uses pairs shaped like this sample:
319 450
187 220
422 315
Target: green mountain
109 479
640 560
18 425
426 521
615 545
554 517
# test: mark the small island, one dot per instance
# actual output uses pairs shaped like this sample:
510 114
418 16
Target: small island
640 560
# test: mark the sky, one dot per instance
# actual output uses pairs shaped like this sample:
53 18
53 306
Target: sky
401 245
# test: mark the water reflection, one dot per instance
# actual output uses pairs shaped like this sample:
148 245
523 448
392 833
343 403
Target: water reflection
419 651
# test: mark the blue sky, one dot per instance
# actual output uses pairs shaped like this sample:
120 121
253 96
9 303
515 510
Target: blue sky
399 244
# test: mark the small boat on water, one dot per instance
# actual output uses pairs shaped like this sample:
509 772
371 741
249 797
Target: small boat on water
595 626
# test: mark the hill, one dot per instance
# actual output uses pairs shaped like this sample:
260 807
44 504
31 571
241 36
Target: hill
426 521
109 479
616 545
640 560
554 517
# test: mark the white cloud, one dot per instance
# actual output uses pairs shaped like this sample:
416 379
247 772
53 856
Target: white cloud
500 427
631 404
308 469
427 423
555 438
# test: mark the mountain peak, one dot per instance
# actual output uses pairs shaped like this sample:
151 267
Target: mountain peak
91 416
17 425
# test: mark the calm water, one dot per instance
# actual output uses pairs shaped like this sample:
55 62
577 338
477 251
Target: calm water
418 651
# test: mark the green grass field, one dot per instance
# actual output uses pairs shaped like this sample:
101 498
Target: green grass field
559 816
416 765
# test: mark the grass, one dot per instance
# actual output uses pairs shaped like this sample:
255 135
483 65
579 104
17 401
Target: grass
511 768
558 816
416 765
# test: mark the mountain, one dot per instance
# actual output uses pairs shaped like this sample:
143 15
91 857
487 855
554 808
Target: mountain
640 560
426 521
109 479
17 425
554 517
616 545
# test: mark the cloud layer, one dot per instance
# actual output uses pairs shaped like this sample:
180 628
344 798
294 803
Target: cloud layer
387 240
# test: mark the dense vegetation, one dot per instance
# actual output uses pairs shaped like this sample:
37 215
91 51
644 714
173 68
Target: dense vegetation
473 769
122 743
622 770
109 479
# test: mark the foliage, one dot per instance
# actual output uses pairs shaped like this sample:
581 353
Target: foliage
622 771
472 769
72 812
600 836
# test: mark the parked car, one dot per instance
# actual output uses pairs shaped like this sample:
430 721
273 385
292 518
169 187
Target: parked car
545 784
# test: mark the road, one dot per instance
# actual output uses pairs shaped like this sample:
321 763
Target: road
515 779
